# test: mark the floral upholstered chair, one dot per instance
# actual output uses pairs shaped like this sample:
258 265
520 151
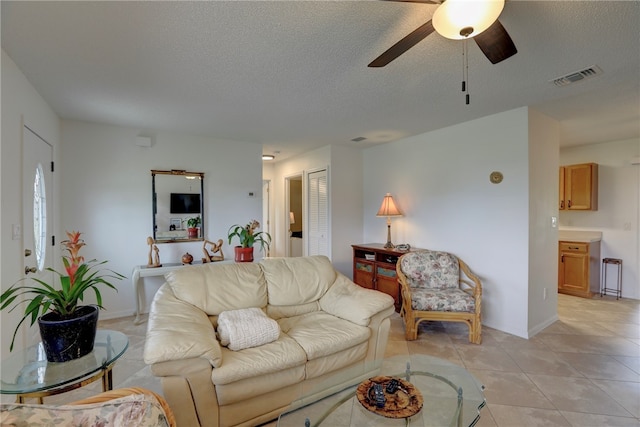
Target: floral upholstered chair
439 286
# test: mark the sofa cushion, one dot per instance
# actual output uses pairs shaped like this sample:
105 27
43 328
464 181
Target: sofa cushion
299 280
354 303
247 388
178 330
279 311
215 288
321 334
331 363
246 328
276 356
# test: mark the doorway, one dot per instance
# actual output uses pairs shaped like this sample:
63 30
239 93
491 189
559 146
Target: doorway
294 216
37 209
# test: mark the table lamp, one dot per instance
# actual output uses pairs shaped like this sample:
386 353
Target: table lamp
388 208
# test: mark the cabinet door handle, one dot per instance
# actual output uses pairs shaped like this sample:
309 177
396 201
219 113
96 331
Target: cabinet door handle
561 204
562 258
569 203
575 248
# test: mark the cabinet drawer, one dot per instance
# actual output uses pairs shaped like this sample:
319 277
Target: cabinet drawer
386 272
364 266
574 247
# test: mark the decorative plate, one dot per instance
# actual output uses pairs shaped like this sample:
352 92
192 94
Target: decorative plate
405 402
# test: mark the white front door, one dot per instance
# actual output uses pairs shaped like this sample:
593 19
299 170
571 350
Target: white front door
37 208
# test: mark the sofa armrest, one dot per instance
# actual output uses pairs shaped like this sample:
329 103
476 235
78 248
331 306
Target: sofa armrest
351 302
189 390
178 330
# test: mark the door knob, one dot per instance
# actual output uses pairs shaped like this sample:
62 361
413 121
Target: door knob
27 252
28 270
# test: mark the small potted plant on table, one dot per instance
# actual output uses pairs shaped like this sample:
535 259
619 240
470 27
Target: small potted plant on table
248 237
67 329
192 227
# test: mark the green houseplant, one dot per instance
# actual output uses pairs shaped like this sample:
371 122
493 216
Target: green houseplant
50 305
248 236
192 226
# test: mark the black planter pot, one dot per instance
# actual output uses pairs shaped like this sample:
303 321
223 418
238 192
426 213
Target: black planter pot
68 339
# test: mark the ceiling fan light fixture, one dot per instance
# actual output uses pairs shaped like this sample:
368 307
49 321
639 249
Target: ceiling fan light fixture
461 19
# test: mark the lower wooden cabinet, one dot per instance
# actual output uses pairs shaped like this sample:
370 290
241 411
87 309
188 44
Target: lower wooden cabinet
579 268
374 267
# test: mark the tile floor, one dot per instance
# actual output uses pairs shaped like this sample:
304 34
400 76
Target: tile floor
584 370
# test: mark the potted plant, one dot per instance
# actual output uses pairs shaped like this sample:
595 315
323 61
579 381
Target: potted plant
66 328
248 237
192 227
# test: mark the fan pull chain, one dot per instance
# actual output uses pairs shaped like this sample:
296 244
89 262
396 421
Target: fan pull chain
465 71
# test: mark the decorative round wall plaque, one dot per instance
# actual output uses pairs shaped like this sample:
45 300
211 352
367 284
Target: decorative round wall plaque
495 177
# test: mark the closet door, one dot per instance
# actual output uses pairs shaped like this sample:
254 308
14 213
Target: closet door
318 206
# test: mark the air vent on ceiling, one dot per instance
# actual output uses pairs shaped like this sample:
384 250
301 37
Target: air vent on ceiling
358 139
577 76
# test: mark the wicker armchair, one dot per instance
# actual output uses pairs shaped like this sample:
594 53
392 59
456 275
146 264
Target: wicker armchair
439 286
133 406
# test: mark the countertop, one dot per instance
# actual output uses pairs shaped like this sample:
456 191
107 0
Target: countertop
579 236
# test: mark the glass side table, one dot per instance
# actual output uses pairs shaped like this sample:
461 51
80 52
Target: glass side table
27 374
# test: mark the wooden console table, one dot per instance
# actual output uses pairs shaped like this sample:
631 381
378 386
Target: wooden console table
140 271
374 267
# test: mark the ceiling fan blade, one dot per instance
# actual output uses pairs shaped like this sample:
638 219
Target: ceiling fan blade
403 45
495 43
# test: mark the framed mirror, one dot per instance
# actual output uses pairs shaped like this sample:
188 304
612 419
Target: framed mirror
178 205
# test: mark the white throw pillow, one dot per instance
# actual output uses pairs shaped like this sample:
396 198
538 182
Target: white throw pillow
246 328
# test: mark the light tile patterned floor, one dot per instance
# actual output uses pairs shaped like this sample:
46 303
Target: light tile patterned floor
583 370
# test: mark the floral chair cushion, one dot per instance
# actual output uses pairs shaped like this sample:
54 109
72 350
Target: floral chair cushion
431 270
442 300
134 410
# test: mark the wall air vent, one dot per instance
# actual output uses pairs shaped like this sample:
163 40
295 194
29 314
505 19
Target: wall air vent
577 76
358 139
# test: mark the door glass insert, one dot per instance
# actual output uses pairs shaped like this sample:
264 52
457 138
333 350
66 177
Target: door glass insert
39 217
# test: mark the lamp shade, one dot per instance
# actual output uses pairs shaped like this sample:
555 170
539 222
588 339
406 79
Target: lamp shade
388 207
292 218
460 19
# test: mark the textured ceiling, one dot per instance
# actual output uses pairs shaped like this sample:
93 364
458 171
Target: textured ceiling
293 75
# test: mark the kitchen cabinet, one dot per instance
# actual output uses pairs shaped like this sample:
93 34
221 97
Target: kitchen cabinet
579 268
374 267
579 187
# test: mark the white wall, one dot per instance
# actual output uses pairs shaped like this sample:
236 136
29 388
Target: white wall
441 181
543 204
106 183
20 104
618 204
346 205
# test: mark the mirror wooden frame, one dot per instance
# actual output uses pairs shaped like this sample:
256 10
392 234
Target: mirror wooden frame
176 237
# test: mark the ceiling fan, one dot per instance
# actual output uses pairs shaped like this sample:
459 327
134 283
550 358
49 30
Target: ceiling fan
459 20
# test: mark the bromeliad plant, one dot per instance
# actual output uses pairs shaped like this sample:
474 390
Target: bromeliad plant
80 277
248 235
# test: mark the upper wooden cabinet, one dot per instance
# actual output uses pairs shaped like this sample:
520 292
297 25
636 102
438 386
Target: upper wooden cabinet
579 187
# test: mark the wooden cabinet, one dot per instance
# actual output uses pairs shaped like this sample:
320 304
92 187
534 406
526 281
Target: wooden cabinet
579 187
374 267
579 268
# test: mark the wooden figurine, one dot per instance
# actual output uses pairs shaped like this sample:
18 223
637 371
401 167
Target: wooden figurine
215 247
153 249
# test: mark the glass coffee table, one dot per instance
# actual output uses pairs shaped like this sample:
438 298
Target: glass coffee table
452 397
27 374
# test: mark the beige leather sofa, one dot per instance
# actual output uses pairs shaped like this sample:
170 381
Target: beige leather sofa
333 333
